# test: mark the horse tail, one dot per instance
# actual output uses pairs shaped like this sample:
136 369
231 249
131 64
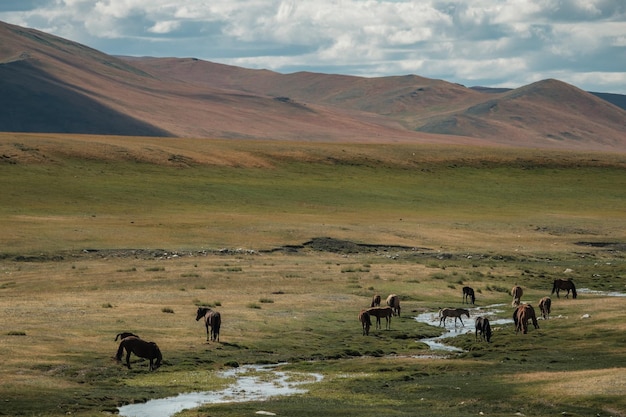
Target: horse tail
120 351
217 323
554 287
574 295
117 336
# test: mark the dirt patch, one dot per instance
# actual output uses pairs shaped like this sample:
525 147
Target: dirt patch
612 246
318 244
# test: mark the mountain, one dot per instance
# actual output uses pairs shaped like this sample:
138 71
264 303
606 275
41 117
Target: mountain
50 84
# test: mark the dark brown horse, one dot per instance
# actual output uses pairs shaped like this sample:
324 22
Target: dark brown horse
124 335
366 322
375 301
564 284
393 301
468 294
544 306
517 293
141 348
523 314
379 312
444 313
483 327
213 320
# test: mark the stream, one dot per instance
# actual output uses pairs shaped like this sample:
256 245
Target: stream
253 387
432 318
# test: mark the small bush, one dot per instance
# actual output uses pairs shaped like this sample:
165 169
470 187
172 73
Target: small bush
167 310
266 301
155 269
254 305
107 305
16 333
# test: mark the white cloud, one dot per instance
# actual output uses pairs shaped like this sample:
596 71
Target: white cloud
465 41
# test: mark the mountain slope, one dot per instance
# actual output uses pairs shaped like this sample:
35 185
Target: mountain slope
54 85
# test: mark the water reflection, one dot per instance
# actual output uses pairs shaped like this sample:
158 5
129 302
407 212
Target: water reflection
252 387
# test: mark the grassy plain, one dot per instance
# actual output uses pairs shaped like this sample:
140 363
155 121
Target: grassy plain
102 235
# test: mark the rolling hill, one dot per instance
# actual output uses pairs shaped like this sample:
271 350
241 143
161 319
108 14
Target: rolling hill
54 85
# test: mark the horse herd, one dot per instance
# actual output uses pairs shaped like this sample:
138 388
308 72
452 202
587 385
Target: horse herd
391 309
522 315
131 343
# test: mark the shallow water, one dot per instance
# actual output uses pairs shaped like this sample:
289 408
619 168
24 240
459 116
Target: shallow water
246 388
434 343
604 293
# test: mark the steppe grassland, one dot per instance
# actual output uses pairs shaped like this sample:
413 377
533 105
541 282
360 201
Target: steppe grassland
504 215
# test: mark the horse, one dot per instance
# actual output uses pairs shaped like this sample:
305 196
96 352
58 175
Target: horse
444 313
564 284
524 313
124 335
544 307
483 327
468 293
379 312
141 348
366 322
393 301
375 301
517 293
212 319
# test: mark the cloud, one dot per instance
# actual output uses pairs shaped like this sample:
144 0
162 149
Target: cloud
506 42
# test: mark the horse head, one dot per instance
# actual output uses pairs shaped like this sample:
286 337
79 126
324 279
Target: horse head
201 312
157 354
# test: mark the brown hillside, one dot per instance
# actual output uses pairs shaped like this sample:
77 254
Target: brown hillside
55 85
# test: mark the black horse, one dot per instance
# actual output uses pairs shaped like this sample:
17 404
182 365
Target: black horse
212 319
468 294
141 348
483 327
564 284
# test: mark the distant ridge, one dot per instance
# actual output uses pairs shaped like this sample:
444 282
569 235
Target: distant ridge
618 100
50 84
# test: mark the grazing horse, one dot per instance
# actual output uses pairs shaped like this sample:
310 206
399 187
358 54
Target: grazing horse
379 312
483 327
444 313
366 322
212 319
468 294
375 301
393 301
544 307
141 348
517 293
564 284
524 313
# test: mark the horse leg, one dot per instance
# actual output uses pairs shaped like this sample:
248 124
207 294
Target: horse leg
128 358
462 324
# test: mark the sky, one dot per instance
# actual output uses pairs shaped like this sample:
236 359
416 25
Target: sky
492 43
